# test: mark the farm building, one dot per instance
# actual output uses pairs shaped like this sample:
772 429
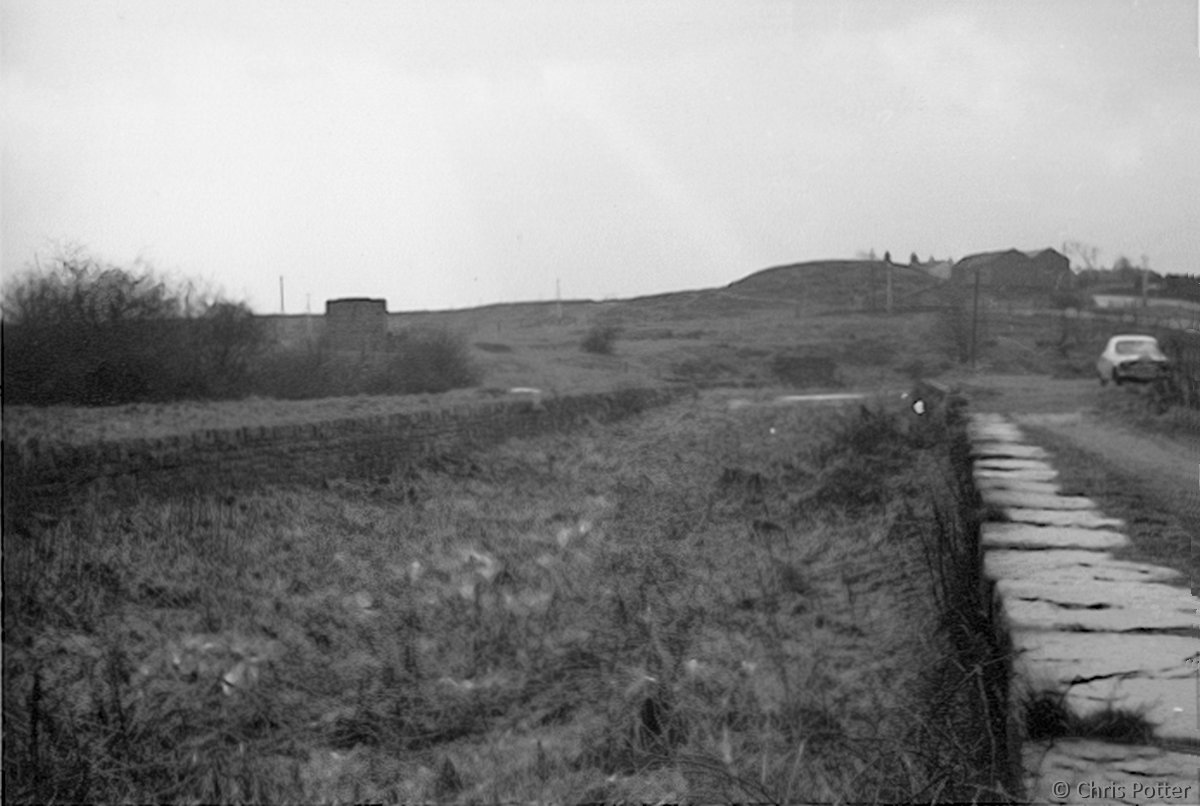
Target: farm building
1016 271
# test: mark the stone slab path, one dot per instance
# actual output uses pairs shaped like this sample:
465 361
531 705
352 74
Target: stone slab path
1097 631
1088 771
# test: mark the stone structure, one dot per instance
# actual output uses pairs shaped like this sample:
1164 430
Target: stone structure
356 323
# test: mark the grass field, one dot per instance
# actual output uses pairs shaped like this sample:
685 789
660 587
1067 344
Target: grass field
726 599
817 326
721 600
718 337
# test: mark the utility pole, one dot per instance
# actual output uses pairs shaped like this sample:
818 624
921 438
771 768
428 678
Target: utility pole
281 293
1145 273
975 321
889 286
558 298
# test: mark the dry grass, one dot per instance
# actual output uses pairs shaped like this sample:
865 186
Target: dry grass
1048 717
690 605
1161 523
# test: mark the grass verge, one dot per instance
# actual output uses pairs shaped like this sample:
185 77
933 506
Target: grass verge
1161 527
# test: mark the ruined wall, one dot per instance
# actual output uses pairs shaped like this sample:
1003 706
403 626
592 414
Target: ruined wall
357 324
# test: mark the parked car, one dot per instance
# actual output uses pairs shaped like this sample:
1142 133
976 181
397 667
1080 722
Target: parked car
1131 358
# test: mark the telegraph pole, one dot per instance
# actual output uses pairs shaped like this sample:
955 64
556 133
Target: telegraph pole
558 298
1145 273
308 318
975 321
281 293
889 286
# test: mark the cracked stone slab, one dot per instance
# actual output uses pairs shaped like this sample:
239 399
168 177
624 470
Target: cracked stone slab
1000 429
1100 772
1024 499
1146 673
1084 518
1050 418
1005 482
1097 606
1004 433
990 422
1009 450
1069 566
1019 474
1004 463
1029 536
1167 598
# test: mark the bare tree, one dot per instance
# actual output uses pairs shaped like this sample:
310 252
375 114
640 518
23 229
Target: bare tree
1087 254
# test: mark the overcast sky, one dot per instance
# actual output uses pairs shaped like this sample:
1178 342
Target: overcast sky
446 154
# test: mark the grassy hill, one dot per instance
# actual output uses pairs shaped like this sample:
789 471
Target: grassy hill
742 334
837 284
747 333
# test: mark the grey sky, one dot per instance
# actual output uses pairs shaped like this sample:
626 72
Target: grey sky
445 154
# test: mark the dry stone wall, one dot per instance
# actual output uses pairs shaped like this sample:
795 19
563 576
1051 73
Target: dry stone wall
307 451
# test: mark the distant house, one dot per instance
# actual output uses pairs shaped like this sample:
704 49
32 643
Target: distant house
1015 271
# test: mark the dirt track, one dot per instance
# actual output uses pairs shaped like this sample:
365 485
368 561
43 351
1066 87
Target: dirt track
1149 479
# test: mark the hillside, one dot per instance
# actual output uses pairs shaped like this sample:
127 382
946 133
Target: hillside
838 284
812 287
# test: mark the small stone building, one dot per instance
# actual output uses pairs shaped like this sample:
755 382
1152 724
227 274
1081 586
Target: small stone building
356 323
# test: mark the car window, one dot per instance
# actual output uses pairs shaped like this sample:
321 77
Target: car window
1138 347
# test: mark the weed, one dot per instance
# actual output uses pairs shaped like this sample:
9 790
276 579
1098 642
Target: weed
600 339
1047 716
806 370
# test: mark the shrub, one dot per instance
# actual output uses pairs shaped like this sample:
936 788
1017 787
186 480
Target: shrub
90 333
914 370
803 370
292 375
868 352
703 369
600 339
419 361
426 361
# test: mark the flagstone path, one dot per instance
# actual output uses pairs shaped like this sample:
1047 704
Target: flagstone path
1099 632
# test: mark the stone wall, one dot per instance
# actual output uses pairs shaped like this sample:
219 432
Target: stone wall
305 452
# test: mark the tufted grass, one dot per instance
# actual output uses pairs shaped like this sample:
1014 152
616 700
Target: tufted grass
690 605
